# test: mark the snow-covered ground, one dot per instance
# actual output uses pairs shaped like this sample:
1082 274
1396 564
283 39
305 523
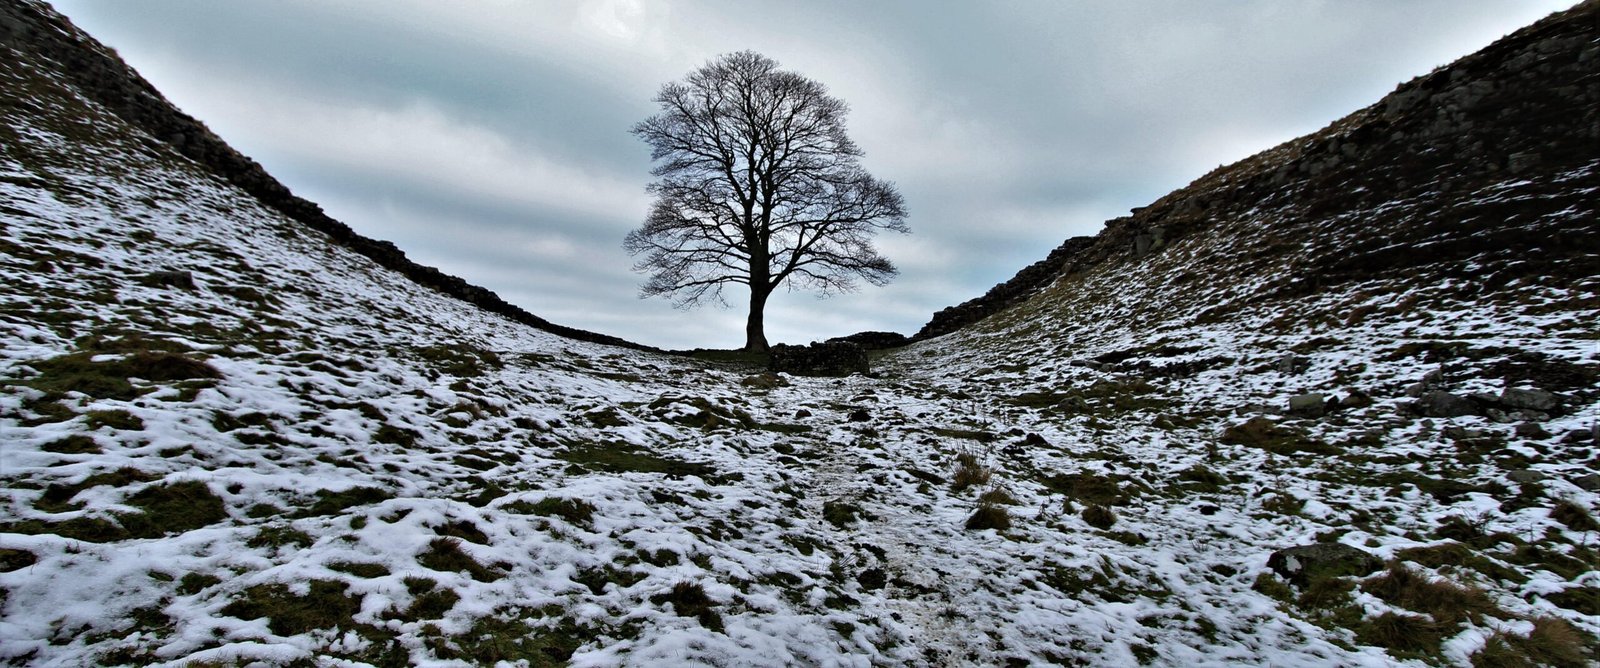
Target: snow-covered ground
302 457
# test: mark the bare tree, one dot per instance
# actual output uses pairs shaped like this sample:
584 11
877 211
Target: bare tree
758 185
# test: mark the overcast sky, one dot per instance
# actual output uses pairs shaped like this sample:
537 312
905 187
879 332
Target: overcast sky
490 139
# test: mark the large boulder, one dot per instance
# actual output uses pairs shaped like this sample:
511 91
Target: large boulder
1302 564
829 358
1532 400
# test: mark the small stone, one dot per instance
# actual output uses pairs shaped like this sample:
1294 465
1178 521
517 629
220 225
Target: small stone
1301 564
802 414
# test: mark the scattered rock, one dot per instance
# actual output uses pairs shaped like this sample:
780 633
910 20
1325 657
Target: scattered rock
765 381
1356 399
1525 476
833 358
874 340
1533 400
1428 382
1532 430
1438 403
1301 564
1308 405
181 280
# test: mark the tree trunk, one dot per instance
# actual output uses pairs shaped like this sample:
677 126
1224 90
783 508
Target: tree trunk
755 333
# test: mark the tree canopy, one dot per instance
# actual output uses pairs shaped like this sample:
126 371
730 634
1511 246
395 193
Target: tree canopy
758 184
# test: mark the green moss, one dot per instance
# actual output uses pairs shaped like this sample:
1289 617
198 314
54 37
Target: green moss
325 606
75 444
360 570
464 530
401 436
1279 439
194 583
114 419
428 601
619 457
330 502
279 536
1094 488
596 579
507 638
174 508
445 555
57 497
689 599
13 559
966 434
1201 478
841 513
461 359
109 379
575 511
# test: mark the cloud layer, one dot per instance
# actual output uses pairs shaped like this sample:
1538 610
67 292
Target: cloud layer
491 139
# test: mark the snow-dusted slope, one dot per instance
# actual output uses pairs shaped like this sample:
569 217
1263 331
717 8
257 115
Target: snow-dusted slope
224 440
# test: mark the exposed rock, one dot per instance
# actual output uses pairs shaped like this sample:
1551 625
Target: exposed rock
1429 381
1533 400
860 415
1438 403
802 414
874 340
1356 399
765 381
1589 483
1525 476
1308 405
1532 430
1301 564
831 358
1291 364
181 280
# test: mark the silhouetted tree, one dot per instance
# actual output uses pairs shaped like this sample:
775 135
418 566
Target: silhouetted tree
758 185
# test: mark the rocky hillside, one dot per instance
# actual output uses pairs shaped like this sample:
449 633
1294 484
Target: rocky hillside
1325 414
1321 211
